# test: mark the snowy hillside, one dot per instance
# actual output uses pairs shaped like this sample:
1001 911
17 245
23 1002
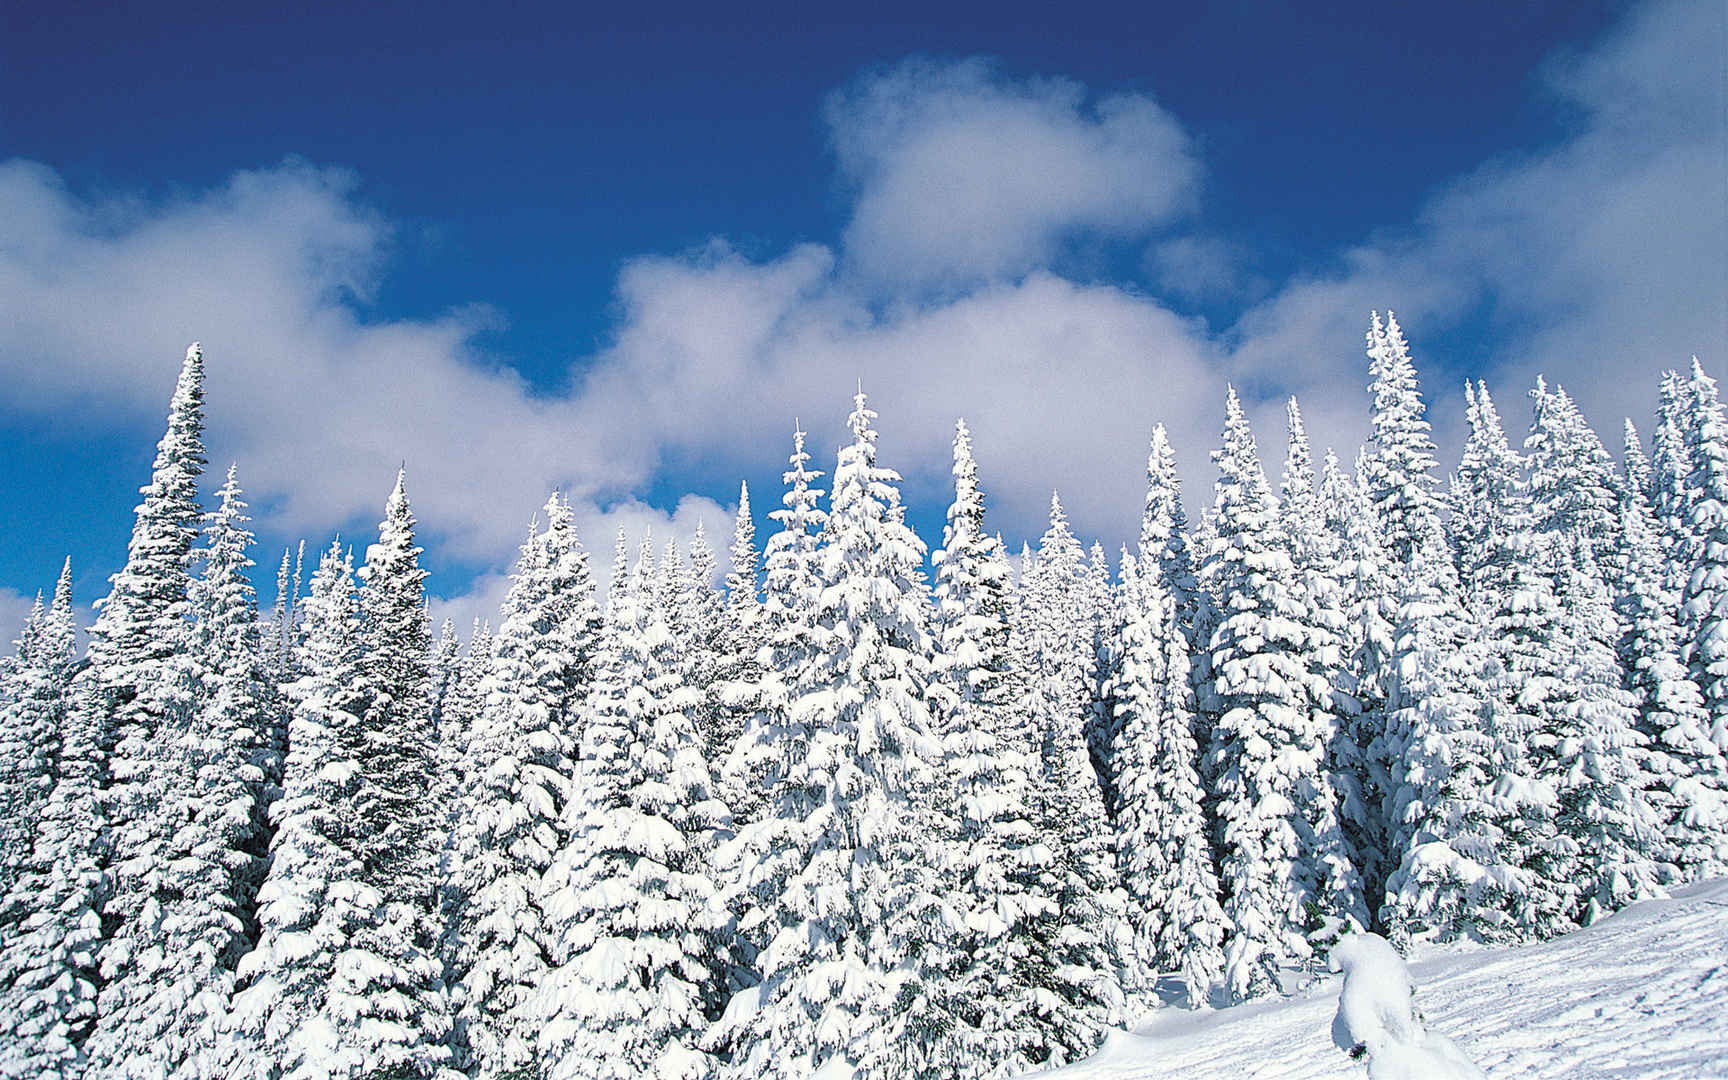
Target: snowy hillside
1641 994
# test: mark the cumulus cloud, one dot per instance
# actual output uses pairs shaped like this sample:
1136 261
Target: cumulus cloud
1599 259
963 175
14 613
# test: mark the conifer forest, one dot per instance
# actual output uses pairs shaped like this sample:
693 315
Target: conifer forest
870 810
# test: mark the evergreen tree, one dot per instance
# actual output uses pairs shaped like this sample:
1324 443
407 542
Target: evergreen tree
1703 611
138 648
839 873
1669 492
1451 877
738 671
1688 790
1162 842
219 839
1089 944
1489 502
994 870
1270 741
389 983
517 813
639 971
48 976
32 709
1399 480
1361 774
1314 555
288 1022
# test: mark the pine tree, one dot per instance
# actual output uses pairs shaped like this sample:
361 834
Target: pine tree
48 976
1361 775
389 983
1162 842
1688 792
1089 944
1314 554
315 913
738 670
31 710
987 989
220 833
841 845
1399 480
138 648
516 814
1703 611
1669 489
1602 759
1451 877
639 964
1489 501
1270 741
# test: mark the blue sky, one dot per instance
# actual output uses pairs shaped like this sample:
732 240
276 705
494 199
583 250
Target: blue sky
618 254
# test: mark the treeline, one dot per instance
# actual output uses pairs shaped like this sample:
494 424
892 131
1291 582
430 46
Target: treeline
862 812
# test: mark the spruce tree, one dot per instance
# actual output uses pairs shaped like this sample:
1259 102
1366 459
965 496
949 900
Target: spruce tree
1162 842
639 966
1270 742
229 752
48 965
516 813
858 737
389 983
1688 789
988 987
1089 944
1399 480
138 647
314 910
1704 614
31 712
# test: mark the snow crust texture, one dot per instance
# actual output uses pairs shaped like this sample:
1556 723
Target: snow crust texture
1643 994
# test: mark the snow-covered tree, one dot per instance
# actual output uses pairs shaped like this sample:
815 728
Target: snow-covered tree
1315 556
1691 774
389 983
1399 480
987 984
31 713
1163 846
516 813
1703 609
1269 744
1450 876
737 670
841 869
48 976
1489 501
1089 944
314 910
638 964
138 648
228 752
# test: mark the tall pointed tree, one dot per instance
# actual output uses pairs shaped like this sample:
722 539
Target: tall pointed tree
517 810
1163 845
1399 480
138 648
640 965
846 844
1269 743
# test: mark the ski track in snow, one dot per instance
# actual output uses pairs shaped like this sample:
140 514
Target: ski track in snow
1641 994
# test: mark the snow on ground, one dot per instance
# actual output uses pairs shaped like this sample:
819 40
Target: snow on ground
1642 994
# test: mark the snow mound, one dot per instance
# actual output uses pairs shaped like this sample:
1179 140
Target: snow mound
1638 996
1377 1017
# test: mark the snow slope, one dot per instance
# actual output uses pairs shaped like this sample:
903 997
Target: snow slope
1641 994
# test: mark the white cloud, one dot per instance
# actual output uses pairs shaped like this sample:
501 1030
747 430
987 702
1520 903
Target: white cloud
963 175
14 613
1600 259
598 530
